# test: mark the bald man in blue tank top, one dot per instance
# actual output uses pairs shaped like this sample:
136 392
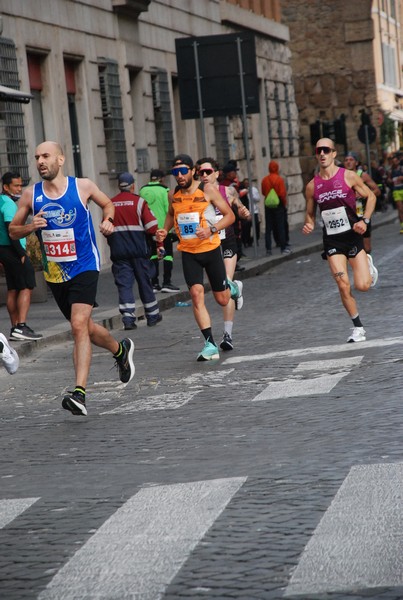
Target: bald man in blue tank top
333 190
63 223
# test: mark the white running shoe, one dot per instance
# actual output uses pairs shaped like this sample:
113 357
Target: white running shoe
9 356
239 298
373 271
357 335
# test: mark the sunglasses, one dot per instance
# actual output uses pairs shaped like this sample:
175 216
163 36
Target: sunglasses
324 149
206 171
180 171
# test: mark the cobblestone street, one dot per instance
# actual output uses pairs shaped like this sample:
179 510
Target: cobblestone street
272 473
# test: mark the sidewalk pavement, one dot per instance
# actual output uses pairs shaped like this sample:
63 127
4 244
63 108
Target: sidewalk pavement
46 318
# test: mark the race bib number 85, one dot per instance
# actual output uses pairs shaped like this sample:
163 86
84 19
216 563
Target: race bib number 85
188 223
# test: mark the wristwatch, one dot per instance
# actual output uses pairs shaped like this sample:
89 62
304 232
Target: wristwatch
213 229
109 219
366 221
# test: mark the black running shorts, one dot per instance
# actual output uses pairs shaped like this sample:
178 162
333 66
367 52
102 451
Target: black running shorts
349 244
212 262
229 247
82 289
19 276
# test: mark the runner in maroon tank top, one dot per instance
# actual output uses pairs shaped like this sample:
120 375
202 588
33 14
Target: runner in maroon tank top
334 192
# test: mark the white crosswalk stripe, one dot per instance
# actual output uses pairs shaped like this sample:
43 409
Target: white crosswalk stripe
10 509
320 384
358 543
140 548
378 343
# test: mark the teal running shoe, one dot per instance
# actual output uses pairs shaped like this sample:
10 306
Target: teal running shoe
209 352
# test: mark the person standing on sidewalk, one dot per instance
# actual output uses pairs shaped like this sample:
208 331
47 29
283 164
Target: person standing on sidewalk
208 172
249 195
18 269
396 180
155 193
62 219
133 221
334 192
275 216
192 212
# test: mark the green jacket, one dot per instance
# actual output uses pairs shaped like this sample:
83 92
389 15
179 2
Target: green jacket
156 196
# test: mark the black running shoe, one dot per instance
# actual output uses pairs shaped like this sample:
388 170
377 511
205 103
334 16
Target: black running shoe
226 343
169 288
23 332
75 403
125 362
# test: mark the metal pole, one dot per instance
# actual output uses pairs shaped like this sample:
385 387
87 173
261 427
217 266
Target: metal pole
367 150
246 141
199 97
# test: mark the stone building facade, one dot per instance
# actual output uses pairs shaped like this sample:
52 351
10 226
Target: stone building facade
104 82
345 59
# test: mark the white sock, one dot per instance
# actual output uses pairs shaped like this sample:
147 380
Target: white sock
228 327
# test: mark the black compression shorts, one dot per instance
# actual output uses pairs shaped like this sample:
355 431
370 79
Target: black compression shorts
212 262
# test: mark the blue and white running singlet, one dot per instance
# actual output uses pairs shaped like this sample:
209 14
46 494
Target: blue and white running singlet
68 242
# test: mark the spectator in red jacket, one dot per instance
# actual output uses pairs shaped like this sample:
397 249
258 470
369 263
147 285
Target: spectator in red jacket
130 253
275 216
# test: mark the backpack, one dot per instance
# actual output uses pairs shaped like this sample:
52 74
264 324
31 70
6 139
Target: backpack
272 200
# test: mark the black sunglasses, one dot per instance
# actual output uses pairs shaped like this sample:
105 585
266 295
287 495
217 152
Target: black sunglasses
206 171
180 170
324 149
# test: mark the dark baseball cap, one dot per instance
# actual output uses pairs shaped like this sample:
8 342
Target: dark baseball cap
230 167
125 180
183 159
353 155
156 174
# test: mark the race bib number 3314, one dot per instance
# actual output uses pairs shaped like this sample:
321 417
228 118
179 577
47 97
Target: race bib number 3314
60 245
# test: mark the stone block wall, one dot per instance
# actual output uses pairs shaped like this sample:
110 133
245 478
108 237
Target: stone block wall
333 67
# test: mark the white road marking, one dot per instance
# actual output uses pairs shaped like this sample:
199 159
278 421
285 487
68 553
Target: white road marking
168 401
10 509
291 388
314 350
161 402
201 378
141 547
321 384
333 363
358 542
386 260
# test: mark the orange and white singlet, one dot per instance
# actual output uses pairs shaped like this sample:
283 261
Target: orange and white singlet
192 211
